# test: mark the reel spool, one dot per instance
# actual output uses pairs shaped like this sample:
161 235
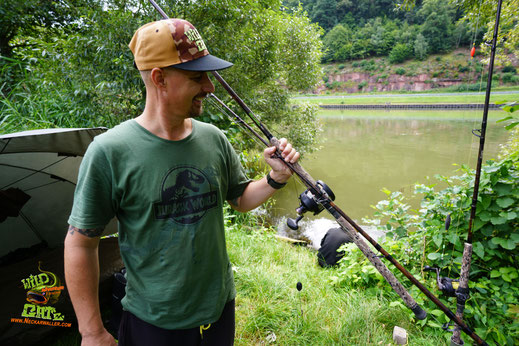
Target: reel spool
447 285
309 202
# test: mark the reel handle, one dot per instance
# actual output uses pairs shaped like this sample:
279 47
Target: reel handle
293 224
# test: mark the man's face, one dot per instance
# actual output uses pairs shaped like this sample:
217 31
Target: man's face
186 91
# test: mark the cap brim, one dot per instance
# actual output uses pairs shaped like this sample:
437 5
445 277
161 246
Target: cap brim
205 63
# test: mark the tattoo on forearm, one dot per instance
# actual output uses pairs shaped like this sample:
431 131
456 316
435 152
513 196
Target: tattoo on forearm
234 202
91 233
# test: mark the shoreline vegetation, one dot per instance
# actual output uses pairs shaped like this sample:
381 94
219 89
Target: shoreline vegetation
408 98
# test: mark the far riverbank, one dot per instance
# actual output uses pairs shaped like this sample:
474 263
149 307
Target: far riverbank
496 98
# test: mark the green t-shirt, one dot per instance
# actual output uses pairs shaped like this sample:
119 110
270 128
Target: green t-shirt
168 198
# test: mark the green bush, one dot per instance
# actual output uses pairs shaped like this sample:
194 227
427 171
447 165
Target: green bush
507 77
468 87
343 53
509 68
400 71
362 84
382 76
370 67
400 53
418 238
463 68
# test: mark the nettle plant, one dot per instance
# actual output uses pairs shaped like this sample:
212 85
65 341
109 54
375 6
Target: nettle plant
419 237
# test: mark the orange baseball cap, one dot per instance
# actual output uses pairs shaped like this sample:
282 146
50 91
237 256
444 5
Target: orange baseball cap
173 42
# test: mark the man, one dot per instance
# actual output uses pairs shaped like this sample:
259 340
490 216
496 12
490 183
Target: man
165 176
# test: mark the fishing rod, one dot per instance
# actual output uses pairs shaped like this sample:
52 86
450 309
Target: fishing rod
460 288
462 293
318 196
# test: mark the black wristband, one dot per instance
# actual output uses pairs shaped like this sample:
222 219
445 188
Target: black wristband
274 183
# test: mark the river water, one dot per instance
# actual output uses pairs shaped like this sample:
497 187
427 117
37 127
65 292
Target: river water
365 151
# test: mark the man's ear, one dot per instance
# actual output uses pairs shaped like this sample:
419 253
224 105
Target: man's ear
158 77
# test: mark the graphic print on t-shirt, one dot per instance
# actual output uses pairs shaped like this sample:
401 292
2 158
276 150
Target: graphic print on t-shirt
186 194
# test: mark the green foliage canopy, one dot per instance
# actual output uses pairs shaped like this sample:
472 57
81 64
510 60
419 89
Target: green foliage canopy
375 27
438 17
86 77
28 16
477 12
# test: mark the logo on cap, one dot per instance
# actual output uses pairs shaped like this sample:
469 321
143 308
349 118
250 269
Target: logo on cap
193 35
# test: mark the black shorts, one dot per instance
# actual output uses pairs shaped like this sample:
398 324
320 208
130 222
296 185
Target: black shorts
135 332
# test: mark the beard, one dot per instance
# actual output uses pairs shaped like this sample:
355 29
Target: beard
196 110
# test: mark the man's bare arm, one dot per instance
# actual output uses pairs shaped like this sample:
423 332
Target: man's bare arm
82 277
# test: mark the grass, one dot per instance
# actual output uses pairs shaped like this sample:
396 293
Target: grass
411 114
410 99
266 274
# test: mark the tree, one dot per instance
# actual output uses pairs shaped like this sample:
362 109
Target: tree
325 12
437 28
484 14
406 34
420 47
344 53
377 39
337 38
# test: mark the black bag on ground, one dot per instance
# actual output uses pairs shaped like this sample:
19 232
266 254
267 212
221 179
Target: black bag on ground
333 239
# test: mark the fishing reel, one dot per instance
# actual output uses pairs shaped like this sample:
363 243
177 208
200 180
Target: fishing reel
447 285
309 202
